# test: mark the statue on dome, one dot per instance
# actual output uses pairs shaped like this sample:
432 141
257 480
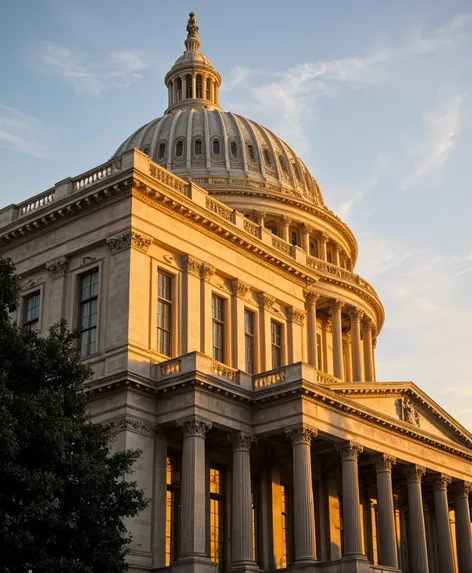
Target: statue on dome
192 26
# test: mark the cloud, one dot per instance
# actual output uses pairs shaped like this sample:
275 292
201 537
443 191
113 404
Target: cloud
20 132
441 128
88 76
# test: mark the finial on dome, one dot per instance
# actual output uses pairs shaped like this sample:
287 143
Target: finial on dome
192 43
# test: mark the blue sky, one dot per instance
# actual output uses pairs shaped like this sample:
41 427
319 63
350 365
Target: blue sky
374 96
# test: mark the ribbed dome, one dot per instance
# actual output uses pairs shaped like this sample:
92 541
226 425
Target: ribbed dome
213 147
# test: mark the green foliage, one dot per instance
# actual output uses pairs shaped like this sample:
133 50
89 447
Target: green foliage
63 494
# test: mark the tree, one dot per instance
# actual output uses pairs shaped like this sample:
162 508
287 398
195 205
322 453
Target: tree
63 494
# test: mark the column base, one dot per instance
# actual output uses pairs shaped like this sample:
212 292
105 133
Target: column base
355 564
194 564
244 567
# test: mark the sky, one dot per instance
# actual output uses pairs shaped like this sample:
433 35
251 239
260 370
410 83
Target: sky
375 97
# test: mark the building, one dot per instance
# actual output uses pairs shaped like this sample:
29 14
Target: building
233 343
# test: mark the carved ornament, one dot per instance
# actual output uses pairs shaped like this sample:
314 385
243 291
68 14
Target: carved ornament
297 315
335 306
260 216
224 371
171 368
415 474
240 289
266 301
193 266
306 228
349 451
207 271
355 314
241 441
119 242
287 221
140 242
463 489
58 268
441 482
311 296
134 425
194 426
269 380
409 412
301 434
384 463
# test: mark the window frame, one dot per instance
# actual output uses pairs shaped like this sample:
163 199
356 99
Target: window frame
278 347
161 145
170 304
220 147
179 145
80 302
26 324
220 324
252 337
200 141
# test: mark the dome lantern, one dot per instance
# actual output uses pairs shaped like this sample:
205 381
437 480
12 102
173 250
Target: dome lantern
192 82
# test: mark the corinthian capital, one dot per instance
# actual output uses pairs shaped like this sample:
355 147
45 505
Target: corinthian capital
384 463
266 301
414 474
297 315
194 426
349 451
463 489
287 221
311 296
207 271
241 441
240 289
335 305
355 314
301 434
441 482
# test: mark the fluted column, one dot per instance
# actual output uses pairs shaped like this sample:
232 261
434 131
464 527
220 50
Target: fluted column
368 351
351 511
386 511
312 298
304 508
286 222
443 526
356 316
323 252
306 230
338 366
419 553
463 535
193 487
241 539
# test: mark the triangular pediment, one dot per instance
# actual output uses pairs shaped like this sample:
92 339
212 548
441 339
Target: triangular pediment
408 405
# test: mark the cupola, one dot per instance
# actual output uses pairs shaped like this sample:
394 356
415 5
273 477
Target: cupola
192 82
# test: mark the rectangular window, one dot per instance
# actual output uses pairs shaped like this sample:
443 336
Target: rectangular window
172 505
249 340
217 517
276 340
88 307
218 313
32 305
164 313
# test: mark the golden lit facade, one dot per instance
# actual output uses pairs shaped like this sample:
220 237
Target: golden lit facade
233 343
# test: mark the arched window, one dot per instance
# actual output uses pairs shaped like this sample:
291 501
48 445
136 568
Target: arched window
199 86
267 157
188 86
198 147
250 151
179 148
179 89
216 147
297 171
146 150
162 151
283 165
234 149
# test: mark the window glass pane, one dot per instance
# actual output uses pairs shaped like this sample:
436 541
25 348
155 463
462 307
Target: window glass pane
164 313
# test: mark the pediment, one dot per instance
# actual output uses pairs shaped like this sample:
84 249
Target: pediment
406 403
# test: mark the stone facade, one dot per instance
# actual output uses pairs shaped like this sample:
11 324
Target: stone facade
242 364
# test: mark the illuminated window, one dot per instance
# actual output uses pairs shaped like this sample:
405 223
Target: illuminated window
161 151
172 505
88 308
198 147
217 500
31 313
249 340
285 506
276 341
164 313
218 314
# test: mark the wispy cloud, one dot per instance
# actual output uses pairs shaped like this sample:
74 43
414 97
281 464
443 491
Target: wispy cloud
441 128
88 76
21 132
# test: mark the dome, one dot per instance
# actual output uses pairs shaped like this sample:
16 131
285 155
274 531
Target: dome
221 149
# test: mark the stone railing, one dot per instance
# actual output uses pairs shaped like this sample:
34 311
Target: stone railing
37 202
323 378
91 177
250 227
323 266
268 379
225 371
282 245
219 208
165 177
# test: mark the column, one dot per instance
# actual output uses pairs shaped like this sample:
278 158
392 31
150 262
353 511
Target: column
463 535
240 290
241 538
326 327
347 357
312 298
367 327
295 342
443 526
351 500
418 553
259 217
207 271
322 251
303 503
266 302
159 498
191 297
386 512
337 252
193 487
194 86
356 315
338 368
306 230
286 222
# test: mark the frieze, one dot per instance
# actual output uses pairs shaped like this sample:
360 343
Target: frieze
58 268
194 426
269 380
301 435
